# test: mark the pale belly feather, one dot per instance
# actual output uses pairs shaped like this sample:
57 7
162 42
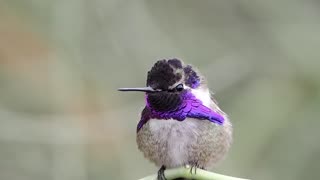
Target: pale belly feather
174 143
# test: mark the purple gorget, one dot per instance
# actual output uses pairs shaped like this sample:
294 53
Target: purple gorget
191 107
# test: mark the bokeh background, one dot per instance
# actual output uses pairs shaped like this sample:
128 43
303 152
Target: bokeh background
61 62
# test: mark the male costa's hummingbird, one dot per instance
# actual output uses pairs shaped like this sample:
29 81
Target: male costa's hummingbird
181 124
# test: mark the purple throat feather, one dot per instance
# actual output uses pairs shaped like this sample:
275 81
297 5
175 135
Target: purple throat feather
190 107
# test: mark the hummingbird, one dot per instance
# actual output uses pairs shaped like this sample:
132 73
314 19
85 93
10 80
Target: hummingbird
181 123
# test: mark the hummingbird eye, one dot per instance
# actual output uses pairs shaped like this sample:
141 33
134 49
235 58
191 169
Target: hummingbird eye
179 87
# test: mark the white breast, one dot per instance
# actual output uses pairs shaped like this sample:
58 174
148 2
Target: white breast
203 95
178 135
175 143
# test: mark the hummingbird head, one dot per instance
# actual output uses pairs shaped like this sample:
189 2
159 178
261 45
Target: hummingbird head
169 82
177 91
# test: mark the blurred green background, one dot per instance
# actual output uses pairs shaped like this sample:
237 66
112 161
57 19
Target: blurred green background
61 62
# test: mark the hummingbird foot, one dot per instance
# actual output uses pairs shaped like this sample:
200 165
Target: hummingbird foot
194 167
161 173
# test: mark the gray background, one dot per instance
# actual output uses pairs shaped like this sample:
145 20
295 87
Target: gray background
61 61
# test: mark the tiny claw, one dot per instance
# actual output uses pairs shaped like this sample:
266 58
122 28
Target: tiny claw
161 175
194 167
